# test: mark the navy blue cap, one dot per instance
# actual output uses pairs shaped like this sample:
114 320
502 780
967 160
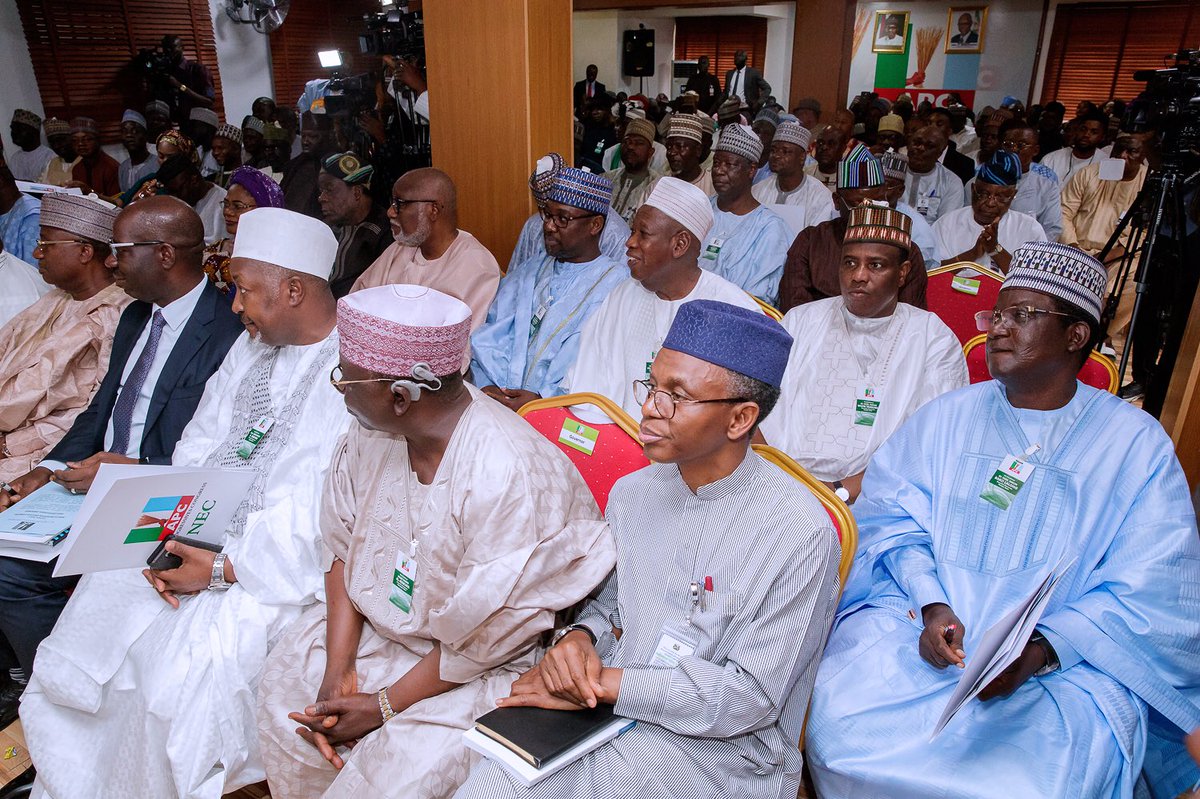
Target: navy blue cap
740 340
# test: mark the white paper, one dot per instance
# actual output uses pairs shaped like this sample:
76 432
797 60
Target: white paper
524 771
1112 169
40 516
1000 646
29 187
130 507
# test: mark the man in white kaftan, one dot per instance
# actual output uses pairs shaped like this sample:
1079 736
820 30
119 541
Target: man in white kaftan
620 340
806 200
862 362
134 696
503 533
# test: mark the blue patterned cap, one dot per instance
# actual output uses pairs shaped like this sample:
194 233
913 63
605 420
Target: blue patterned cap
581 189
1059 271
738 339
859 169
1004 169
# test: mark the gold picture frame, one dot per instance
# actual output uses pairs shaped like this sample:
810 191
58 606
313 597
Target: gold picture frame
960 42
883 37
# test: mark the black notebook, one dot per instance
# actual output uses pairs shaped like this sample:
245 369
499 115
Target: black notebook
537 735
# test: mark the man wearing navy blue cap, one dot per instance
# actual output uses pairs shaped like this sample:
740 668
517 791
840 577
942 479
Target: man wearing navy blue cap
724 588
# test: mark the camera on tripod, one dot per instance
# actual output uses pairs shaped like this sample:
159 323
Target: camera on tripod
1170 104
398 32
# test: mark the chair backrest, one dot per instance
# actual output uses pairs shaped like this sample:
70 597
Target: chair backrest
839 512
615 450
1097 372
768 309
948 294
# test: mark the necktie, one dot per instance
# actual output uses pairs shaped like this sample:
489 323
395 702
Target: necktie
737 78
122 416
589 93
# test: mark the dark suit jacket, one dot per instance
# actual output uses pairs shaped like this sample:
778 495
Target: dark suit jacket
958 163
757 90
198 353
581 90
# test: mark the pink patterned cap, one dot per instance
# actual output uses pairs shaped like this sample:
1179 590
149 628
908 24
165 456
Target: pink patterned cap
390 329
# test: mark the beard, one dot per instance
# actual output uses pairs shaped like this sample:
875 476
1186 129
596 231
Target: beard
418 236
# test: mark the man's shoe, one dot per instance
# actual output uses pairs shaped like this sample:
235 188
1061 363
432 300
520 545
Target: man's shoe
10 702
20 786
1132 391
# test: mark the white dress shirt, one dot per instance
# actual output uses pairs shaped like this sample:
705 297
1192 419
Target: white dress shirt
737 87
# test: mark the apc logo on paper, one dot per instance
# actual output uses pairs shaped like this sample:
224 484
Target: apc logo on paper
161 517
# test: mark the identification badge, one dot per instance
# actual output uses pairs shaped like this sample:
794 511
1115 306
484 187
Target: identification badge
965 285
1008 479
650 362
258 431
713 249
535 323
866 404
404 579
673 645
578 435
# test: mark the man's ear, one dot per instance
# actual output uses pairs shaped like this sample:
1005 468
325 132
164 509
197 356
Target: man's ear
742 420
905 271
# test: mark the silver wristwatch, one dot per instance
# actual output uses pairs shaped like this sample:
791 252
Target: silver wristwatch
842 492
562 633
217 581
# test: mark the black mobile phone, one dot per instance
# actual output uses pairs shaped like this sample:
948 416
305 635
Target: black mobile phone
163 560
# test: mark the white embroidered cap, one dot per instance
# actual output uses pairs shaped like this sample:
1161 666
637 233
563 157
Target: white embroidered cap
286 239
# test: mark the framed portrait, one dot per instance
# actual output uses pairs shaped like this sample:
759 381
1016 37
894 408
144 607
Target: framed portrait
965 29
890 34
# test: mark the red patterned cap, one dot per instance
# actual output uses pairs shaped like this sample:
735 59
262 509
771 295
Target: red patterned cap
390 329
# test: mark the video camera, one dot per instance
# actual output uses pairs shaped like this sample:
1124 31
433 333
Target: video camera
350 96
1171 105
398 32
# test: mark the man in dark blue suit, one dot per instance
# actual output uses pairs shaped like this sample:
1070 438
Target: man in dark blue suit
166 346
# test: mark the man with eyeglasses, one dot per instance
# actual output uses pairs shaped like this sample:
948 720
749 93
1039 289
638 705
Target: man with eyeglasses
361 225
453 533
1038 191
811 271
710 630
988 231
964 512
878 359
430 250
172 672
748 242
618 343
531 337
168 342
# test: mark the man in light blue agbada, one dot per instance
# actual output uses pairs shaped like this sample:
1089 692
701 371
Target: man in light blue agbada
748 242
964 511
531 336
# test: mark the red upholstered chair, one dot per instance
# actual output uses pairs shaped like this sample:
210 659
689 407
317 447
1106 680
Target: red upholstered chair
1097 371
951 300
616 451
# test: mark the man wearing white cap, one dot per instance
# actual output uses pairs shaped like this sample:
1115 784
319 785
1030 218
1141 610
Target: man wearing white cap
442 567
620 340
174 680
807 201
139 164
747 243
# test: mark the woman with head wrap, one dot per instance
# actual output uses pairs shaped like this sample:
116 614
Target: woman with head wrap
249 188
169 143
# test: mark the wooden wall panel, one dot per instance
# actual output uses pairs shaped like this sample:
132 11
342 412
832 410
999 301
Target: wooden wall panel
481 55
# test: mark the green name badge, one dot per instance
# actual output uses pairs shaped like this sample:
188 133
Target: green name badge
866 405
258 431
1002 488
965 285
713 249
577 435
404 582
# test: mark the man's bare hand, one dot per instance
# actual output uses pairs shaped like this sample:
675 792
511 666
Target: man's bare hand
942 640
25 485
192 576
78 475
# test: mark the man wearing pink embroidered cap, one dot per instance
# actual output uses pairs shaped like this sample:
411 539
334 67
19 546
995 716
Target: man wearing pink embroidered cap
453 532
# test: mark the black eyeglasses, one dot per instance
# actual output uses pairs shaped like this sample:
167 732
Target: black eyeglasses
665 402
399 204
560 221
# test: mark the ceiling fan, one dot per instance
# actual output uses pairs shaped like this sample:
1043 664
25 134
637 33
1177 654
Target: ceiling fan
264 15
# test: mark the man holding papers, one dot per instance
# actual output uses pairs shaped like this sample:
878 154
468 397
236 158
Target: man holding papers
453 532
146 686
965 510
709 632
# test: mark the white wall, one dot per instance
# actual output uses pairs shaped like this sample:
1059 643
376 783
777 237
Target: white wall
1005 66
598 39
244 58
20 85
